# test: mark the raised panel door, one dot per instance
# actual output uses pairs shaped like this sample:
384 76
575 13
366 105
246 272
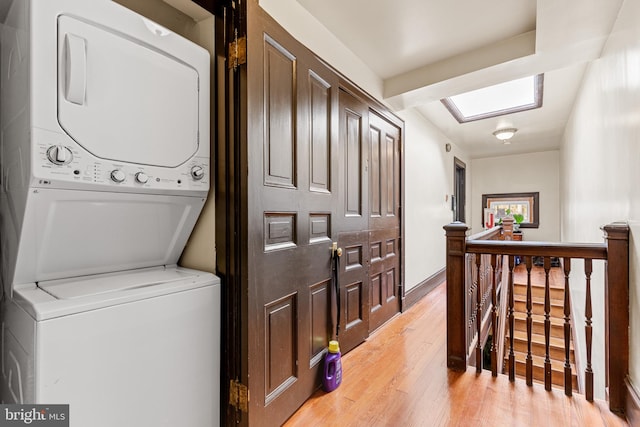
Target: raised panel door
352 220
384 220
292 207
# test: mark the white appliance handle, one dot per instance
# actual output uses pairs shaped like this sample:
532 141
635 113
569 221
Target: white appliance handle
75 68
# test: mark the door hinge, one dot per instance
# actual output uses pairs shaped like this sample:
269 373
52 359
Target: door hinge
238 396
237 52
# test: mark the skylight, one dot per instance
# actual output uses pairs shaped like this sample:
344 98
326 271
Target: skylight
504 98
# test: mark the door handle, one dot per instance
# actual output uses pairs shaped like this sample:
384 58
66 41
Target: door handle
336 253
335 249
75 69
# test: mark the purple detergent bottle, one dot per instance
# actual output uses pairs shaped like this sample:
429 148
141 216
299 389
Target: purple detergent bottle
332 367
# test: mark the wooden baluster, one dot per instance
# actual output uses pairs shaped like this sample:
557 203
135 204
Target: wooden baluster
470 300
547 324
479 292
588 374
568 381
512 357
529 371
494 318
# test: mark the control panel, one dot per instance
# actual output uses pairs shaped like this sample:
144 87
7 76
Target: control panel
59 155
62 164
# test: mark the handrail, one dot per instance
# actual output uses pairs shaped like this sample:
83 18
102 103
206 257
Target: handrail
489 234
614 251
519 248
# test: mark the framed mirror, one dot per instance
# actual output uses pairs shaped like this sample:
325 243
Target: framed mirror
525 204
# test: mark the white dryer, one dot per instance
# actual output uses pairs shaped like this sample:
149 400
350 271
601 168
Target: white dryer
104 171
105 139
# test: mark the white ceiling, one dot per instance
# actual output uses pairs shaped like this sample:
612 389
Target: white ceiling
425 50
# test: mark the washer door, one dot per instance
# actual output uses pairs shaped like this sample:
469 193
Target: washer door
124 100
77 233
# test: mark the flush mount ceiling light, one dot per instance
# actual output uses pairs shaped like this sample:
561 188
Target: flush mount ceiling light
505 134
504 98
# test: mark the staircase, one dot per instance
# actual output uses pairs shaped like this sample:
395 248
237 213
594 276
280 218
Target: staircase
556 342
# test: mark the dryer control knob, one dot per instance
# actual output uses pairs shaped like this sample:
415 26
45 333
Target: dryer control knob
142 177
59 155
197 172
117 175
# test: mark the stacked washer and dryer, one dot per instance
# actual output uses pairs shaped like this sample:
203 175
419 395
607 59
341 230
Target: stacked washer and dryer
105 168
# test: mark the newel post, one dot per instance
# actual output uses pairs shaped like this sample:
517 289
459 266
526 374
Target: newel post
617 313
507 227
456 296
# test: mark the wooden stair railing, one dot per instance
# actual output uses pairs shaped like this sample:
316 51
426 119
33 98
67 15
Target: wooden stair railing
561 357
481 282
614 251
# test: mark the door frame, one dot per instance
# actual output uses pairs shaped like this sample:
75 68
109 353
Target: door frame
459 200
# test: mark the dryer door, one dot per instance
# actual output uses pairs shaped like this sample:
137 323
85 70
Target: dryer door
124 100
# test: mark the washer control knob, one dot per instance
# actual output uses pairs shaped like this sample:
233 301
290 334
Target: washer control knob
142 177
117 175
197 173
59 155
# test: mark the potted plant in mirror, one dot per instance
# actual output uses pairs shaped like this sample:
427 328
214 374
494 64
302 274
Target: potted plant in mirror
518 218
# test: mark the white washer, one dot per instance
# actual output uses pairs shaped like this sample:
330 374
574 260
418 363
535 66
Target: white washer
128 349
104 161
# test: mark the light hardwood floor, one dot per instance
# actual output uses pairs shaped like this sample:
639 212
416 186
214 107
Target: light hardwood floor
398 377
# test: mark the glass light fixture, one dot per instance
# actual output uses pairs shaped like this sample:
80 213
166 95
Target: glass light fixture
505 134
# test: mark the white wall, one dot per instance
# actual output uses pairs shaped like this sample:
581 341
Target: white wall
428 169
522 173
200 251
305 28
162 13
428 189
600 156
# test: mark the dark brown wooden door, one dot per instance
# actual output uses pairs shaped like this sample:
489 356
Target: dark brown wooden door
384 220
305 165
368 219
353 221
292 204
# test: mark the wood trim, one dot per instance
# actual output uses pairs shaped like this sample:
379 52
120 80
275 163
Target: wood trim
632 410
573 250
459 164
456 297
577 359
490 234
214 6
365 97
423 288
616 296
231 220
532 195
403 227
503 288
